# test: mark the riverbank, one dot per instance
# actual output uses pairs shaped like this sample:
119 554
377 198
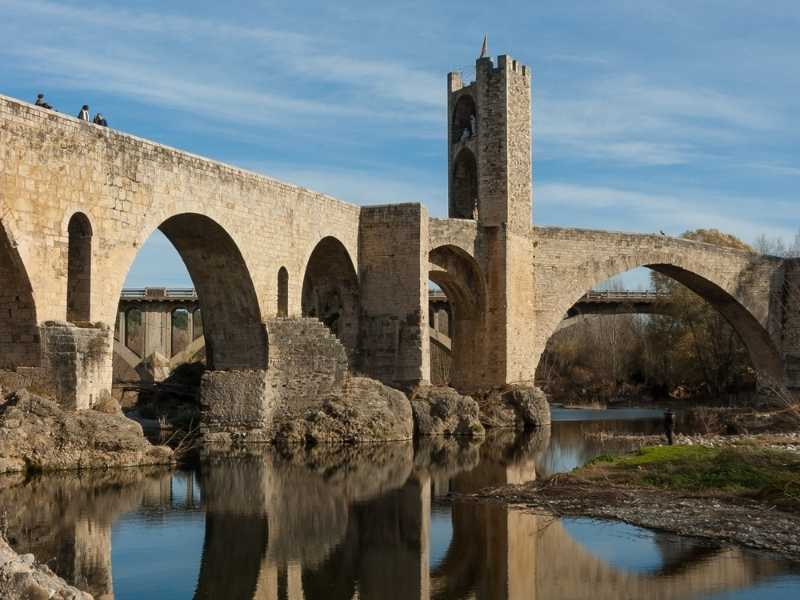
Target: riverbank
745 495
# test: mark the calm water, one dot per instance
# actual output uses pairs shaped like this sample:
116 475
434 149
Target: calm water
369 522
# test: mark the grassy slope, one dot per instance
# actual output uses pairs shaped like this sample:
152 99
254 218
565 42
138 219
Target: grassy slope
771 476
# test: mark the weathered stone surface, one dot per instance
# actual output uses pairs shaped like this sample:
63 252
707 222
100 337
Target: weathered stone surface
21 578
37 433
364 411
517 406
235 402
78 361
440 410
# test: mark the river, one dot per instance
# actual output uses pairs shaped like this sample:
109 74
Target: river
371 522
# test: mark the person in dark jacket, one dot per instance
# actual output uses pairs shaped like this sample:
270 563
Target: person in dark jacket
669 425
40 102
99 120
84 114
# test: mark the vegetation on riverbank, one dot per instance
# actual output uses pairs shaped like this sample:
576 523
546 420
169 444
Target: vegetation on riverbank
763 474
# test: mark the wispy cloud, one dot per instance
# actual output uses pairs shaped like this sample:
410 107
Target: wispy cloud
676 212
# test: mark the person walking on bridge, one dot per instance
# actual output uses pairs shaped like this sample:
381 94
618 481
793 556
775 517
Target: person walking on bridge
40 102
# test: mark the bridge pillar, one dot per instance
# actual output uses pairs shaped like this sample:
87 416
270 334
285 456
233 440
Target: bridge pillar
78 362
791 322
393 263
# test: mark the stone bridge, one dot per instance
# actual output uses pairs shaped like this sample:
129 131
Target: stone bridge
77 202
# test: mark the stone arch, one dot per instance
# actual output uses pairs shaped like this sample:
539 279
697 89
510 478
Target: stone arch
331 291
283 292
79 268
464 118
460 277
764 355
464 201
235 336
19 334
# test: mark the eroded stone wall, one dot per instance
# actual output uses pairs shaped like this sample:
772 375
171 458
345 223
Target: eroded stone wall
78 361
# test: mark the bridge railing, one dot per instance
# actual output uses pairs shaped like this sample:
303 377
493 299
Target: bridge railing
624 296
158 292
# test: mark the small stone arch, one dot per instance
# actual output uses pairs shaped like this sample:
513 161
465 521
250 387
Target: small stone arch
283 292
79 268
331 291
19 334
461 279
764 355
464 202
465 119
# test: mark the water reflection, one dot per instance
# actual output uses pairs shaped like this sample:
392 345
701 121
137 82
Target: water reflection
361 522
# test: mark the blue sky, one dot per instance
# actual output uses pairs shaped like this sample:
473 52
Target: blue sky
647 115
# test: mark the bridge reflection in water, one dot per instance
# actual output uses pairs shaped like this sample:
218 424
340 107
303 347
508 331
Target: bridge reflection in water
355 523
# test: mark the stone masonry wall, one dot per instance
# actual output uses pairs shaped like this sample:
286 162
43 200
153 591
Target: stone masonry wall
19 335
791 321
394 294
306 361
78 360
52 165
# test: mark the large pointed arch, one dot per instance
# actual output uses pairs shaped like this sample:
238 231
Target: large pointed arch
19 334
764 355
234 333
460 278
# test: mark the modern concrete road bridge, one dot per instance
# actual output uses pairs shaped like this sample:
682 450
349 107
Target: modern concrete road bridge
77 202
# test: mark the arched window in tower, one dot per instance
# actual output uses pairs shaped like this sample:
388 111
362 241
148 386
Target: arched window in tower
79 268
464 186
465 120
283 292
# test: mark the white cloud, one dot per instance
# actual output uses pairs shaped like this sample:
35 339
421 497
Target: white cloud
674 213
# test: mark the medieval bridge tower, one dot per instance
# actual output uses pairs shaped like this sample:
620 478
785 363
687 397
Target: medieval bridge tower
490 198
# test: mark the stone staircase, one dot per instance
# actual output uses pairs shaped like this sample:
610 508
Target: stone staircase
306 361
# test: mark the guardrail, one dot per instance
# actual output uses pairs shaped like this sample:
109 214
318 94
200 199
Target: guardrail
158 292
624 295
594 295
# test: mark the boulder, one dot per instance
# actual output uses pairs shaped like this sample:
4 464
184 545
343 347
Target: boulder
441 410
515 406
21 577
364 410
38 434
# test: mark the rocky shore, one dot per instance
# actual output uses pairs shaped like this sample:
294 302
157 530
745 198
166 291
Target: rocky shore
22 577
36 434
746 523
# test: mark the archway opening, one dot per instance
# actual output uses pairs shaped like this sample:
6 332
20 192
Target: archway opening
188 303
19 334
79 269
283 292
464 186
655 332
331 291
465 120
457 303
